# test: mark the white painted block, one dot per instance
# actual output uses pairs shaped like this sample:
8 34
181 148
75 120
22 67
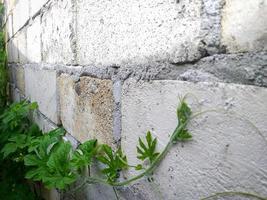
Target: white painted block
34 41
226 153
113 32
57 32
244 25
41 86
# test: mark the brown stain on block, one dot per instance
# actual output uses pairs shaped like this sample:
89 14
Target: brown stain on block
91 110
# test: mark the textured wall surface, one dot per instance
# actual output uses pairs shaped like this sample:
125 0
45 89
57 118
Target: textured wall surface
113 70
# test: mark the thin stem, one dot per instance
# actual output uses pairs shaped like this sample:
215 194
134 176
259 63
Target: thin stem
149 170
116 194
244 194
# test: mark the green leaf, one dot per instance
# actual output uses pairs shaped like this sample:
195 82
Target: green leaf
183 112
83 155
9 149
147 151
114 162
59 159
138 167
183 135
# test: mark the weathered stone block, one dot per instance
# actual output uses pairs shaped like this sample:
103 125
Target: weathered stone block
113 32
41 86
14 93
34 41
86 108
9 5
57 32
22 46
36 5
9 27
21 14
52 194
44 124
227 152
19 79
244 25
12 50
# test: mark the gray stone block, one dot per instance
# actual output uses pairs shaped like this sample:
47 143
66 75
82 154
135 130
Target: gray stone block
120 31
227 152
57 32
244 25
86 108
41 86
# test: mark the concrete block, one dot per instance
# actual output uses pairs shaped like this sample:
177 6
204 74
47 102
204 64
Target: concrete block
52 194
41 86
122 31
86 108
36 5
34 41
19 79
12 50
57 32
44 124
9 27
11 74
9 5
226 153
21 14
14 94
244 25
22 46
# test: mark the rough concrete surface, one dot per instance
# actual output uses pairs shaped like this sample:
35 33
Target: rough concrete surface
86 108
19 79
110 32
36 5
247 68
41 86
34 41
57 32
244 25
22 46
21 14
43 122
226 153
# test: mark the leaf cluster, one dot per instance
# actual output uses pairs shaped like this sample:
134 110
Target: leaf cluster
114 161
148 150
183 114
16 132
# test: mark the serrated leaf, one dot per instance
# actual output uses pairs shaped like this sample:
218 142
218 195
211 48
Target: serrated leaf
183 135
114 162
83 155
183 112
138 167
147 151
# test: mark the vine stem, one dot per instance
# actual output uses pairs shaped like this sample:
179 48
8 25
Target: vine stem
147 171
244 194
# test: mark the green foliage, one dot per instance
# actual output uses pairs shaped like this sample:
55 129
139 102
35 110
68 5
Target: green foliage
15 135
83 155
3 67
49 160
115 162
183 114
147 151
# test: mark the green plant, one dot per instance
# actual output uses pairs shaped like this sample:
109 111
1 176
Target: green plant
115 162
16 133
147 152
49 159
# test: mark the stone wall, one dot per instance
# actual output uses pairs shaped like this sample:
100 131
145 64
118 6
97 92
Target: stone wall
112 70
